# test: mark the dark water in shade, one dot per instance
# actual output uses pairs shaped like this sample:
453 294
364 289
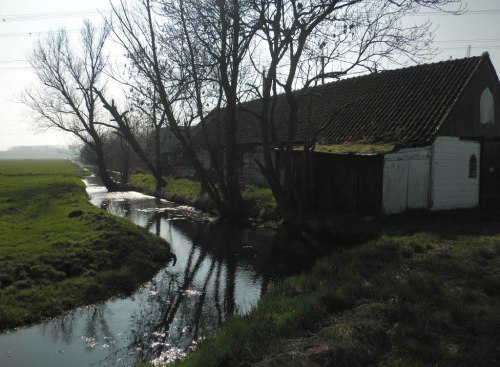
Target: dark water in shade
219 271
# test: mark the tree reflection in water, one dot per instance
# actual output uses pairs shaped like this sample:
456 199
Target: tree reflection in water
218 271
186 300
184 308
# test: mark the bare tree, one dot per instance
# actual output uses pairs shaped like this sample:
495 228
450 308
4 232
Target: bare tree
66 99
125 126
190 54
142 122
304 42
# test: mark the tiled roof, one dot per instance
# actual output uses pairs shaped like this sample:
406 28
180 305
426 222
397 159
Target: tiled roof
405 107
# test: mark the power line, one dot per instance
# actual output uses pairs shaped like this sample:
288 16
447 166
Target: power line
467 12
28 34
482 47
12 61
7 18
25 61
82 13
469 40
462 48
24 34
17 68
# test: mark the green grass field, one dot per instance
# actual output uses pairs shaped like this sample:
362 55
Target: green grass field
57 251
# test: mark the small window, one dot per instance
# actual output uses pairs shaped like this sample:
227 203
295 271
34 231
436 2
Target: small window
472 166
487 107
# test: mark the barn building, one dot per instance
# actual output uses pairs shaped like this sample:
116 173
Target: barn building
426 136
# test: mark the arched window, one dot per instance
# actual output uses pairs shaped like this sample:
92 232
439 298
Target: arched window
472 166
487 107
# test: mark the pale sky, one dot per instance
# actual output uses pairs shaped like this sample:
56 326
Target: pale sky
22 21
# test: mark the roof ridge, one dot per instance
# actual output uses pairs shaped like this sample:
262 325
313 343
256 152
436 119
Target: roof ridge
439 62
406 68
381 72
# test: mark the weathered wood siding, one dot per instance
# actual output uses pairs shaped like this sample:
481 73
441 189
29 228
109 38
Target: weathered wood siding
343 182
406 181
490 173
451 185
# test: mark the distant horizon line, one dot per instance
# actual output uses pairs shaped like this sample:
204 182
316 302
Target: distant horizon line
35 147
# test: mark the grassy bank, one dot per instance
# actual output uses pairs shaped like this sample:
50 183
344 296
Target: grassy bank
186 191
425 292
57 251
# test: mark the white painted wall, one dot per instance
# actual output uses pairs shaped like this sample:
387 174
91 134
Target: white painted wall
451 185
406 181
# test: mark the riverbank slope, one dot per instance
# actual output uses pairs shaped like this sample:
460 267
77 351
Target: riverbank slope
425 291
260 200
57 251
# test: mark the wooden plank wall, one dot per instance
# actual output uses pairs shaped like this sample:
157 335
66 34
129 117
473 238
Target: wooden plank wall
490 173
343 182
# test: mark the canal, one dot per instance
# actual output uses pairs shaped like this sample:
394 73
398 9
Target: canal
216 271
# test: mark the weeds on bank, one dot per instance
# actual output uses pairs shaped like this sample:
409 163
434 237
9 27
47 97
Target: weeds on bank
402 300
57 251
179 186
260 199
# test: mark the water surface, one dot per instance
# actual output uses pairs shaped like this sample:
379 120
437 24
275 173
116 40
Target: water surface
217 271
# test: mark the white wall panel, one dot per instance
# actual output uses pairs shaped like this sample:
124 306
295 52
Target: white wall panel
419 184
395 189
406 182
451 185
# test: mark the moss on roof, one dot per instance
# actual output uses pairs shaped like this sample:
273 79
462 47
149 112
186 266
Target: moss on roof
352 148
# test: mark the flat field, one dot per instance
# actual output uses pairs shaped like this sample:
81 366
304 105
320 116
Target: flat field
57 251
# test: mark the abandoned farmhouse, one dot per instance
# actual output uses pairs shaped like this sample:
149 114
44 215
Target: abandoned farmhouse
426 136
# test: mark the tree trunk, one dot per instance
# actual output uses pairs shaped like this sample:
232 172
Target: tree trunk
107 181
234 201
160 182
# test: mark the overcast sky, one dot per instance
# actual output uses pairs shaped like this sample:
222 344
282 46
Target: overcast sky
22 21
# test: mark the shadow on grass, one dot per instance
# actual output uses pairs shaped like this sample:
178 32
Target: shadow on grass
346 230
417 289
